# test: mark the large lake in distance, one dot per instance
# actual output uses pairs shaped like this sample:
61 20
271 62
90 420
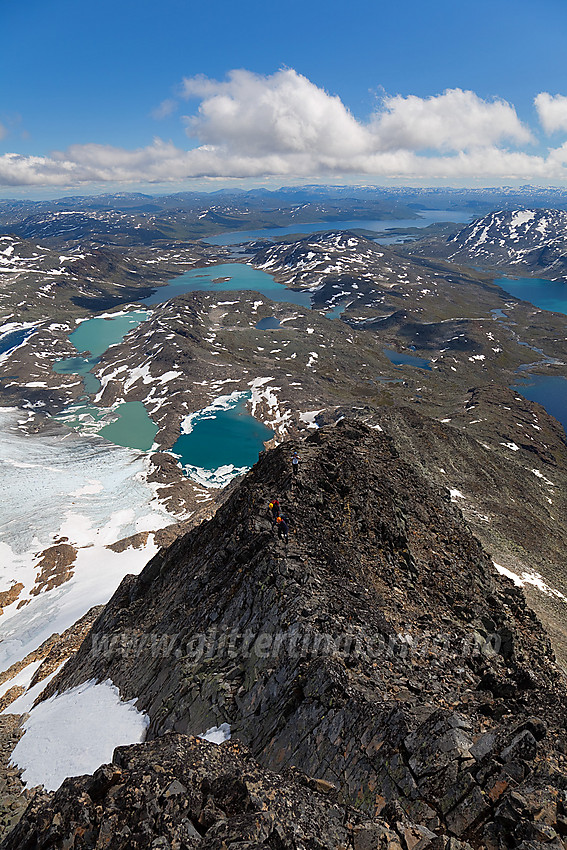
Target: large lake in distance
548 390
426 217
228 277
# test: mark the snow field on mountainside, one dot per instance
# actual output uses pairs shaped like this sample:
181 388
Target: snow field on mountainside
62 488
73 733
274 415
97 572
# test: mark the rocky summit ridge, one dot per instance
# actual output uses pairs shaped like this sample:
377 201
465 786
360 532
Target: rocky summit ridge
404 690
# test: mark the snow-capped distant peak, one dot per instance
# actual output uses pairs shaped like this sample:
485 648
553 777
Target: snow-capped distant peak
509 237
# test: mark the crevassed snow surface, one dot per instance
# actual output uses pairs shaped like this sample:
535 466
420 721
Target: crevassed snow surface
25 702
57 486
73 733
86 490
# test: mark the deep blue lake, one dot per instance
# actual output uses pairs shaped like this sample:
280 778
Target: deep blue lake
406 359
549 391
240 277
12 339
270 323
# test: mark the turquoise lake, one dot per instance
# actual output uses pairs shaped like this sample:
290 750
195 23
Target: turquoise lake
545 294
95 336
222 442
131 426
79 366
98 334
426 217
127 425
241 277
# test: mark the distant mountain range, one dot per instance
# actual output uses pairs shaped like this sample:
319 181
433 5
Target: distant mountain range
195 214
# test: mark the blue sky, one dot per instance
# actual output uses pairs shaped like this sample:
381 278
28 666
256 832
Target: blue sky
326 91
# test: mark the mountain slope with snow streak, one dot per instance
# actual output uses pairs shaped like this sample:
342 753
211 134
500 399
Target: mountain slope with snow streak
367 280
530 240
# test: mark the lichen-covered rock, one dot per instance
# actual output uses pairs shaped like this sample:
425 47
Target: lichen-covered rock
180 792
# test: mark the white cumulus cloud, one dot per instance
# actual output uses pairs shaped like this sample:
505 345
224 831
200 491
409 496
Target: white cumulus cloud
286 113
280 114
254 126
552 111
455 120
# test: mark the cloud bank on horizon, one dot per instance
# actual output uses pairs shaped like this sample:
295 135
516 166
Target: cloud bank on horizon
283 125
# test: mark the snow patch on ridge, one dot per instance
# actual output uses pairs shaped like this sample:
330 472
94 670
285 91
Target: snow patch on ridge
308 417
274 414
215 478
216 734
73 733
533 578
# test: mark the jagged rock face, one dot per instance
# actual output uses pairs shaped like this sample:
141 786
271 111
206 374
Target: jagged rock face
372 651
179 792
13 796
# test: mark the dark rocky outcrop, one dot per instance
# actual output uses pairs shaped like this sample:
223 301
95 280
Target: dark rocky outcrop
377 651
13 796
184 793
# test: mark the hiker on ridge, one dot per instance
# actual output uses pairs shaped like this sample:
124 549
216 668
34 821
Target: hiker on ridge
274 509
283 529
295 463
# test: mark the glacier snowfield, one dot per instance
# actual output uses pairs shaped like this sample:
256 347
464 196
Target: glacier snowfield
84 491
